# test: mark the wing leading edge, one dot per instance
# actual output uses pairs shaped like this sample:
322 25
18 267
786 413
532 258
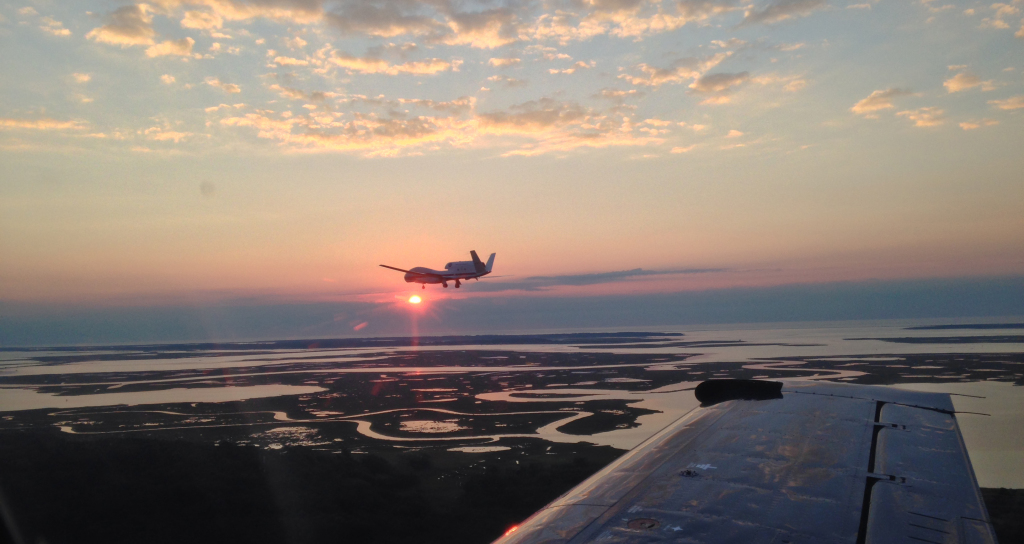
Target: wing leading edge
426 274
822 462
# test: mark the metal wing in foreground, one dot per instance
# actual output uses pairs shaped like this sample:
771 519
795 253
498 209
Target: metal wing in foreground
810 463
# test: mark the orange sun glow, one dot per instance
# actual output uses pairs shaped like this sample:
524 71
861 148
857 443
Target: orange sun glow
415 299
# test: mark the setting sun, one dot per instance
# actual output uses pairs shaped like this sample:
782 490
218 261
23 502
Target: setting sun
415 299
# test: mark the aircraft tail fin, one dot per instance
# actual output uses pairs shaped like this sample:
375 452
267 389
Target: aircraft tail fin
477 263
490 262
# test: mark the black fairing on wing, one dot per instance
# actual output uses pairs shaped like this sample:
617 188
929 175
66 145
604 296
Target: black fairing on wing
711 392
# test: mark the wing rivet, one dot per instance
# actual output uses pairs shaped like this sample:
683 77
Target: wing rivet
643 524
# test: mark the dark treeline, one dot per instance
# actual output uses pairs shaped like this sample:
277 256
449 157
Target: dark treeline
130 490
1005 509
143 490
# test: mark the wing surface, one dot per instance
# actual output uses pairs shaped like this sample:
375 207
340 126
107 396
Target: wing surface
820 462
411 272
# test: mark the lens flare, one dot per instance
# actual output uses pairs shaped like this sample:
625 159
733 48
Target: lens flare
415 300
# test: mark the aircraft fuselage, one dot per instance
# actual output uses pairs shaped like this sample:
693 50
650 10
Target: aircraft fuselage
453 272
422 274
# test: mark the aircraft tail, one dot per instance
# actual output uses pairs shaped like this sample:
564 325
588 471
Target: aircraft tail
490 262
478 264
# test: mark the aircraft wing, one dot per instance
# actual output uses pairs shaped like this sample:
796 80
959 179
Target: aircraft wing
809 462
411 272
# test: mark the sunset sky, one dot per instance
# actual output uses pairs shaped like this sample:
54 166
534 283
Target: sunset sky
203 151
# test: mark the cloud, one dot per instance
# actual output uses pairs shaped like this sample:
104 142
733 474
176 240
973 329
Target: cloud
564 28
700 10
621 18
1012 103
877 101
686 149
616 95
289 61
1000 10
229 88
560 126
369 134
202 20
731 43
126 26
580 65
719 84
718 87
293 11
167 79
373 65
501 63
539 283
81 78
924 117
298 94
508 81
456 107
535 115
294 43
972 125
935 9
781 10
681 70
53 26
795 85
964 81
734 134
484 30
212 109
160 135
384 19
40 124
181 48
540 126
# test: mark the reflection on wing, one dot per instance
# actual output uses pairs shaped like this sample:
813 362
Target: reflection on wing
822 463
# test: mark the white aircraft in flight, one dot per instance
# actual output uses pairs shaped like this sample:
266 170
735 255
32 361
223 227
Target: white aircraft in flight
456 271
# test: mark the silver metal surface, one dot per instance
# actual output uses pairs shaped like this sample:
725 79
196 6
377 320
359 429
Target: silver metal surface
825 463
